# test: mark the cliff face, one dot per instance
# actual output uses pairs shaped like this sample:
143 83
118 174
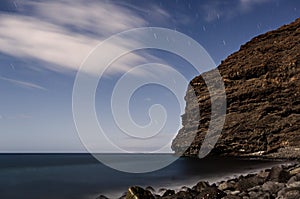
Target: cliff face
262 84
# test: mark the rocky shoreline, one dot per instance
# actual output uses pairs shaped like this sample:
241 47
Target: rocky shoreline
262 120
278 182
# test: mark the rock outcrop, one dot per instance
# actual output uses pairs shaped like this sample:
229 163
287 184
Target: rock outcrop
262 84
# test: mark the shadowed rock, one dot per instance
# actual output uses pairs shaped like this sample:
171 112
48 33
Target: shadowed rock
262 83
211 193
138 193
278 174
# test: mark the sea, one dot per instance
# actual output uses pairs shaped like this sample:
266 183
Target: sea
81 176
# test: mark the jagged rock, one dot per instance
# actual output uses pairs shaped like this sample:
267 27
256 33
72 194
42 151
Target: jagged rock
295 171
294 184
252 186
181 194
149 188
292 180
138 193
200 186
262 84
263 174
226 186
289 193
211 193
169 192
162 190
272 187
248 182
185 195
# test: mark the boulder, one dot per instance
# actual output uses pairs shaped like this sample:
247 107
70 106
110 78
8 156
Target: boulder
211 193
278 174
136 192
272 187
200 186
169 192
248 182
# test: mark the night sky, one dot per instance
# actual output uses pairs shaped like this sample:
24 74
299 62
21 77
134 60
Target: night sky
43 44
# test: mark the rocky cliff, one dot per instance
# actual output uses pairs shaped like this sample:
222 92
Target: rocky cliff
262 84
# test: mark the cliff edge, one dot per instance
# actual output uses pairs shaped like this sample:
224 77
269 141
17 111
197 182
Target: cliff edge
262 84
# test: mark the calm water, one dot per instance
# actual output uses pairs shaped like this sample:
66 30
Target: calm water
80 176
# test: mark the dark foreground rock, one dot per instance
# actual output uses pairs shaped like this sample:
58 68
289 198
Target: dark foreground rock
279 182
262 84
138 192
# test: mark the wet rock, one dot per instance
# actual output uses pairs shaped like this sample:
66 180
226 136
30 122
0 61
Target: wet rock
278 174
185 195
263 174
289 193
169 192
149 188
295 171
253 194
138 193
226 186
162 190
211 193
264 196
255 189
156 196
184 188
200 186
244 194
248 182
251 186
236 192
272 187
293 194
294 185
181 194
292 180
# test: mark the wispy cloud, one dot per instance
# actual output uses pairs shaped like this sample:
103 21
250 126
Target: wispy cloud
86 16
64 32
215 10
23 84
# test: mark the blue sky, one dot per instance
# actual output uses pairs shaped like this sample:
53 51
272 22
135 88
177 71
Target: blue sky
43 43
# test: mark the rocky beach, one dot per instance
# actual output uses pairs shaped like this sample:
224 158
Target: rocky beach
278 182
262 120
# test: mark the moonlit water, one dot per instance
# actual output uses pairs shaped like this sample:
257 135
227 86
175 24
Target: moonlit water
80 176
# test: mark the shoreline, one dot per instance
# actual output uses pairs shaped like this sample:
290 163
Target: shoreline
266 182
